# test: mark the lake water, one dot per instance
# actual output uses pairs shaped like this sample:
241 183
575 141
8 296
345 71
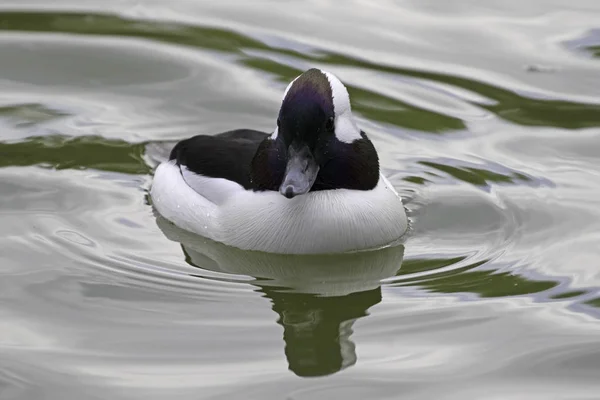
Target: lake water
486 116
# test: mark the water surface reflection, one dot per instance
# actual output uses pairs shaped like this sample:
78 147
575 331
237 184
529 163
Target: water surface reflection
317 297
486 118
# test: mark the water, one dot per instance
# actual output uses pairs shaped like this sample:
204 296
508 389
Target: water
486 116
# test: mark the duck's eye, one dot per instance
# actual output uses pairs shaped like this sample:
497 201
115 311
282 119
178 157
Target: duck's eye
329 125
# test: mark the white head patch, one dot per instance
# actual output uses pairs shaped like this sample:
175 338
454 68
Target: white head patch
346 129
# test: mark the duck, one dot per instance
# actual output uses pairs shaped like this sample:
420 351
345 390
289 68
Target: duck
312 186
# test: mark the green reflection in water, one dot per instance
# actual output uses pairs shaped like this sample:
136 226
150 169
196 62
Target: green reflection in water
476 176
485 283
594 302
26 115
594 51
371 104
415 265
416 179
317 330
110 25
507 104
568 295
62 152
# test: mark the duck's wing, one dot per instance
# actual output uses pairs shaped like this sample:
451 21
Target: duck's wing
227 155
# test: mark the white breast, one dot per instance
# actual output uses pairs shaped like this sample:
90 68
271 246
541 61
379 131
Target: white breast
330 221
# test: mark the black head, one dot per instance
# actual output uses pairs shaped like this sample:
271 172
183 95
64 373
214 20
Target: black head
317 144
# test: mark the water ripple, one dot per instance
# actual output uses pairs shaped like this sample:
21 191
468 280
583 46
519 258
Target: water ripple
485 116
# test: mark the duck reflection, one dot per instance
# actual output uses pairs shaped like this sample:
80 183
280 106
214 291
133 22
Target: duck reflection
317 329
317 297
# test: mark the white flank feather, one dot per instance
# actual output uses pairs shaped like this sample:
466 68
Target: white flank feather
328 221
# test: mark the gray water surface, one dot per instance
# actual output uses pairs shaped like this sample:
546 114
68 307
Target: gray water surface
486 116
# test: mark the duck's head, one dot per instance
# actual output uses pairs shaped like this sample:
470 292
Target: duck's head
316 144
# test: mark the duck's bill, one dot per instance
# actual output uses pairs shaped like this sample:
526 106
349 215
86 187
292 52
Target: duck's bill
300 172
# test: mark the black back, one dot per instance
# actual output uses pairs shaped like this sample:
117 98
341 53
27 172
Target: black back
227 155
251 159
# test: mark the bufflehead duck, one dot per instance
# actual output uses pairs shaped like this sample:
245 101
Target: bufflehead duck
312 186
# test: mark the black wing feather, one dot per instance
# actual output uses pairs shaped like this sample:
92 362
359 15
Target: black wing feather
227 155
